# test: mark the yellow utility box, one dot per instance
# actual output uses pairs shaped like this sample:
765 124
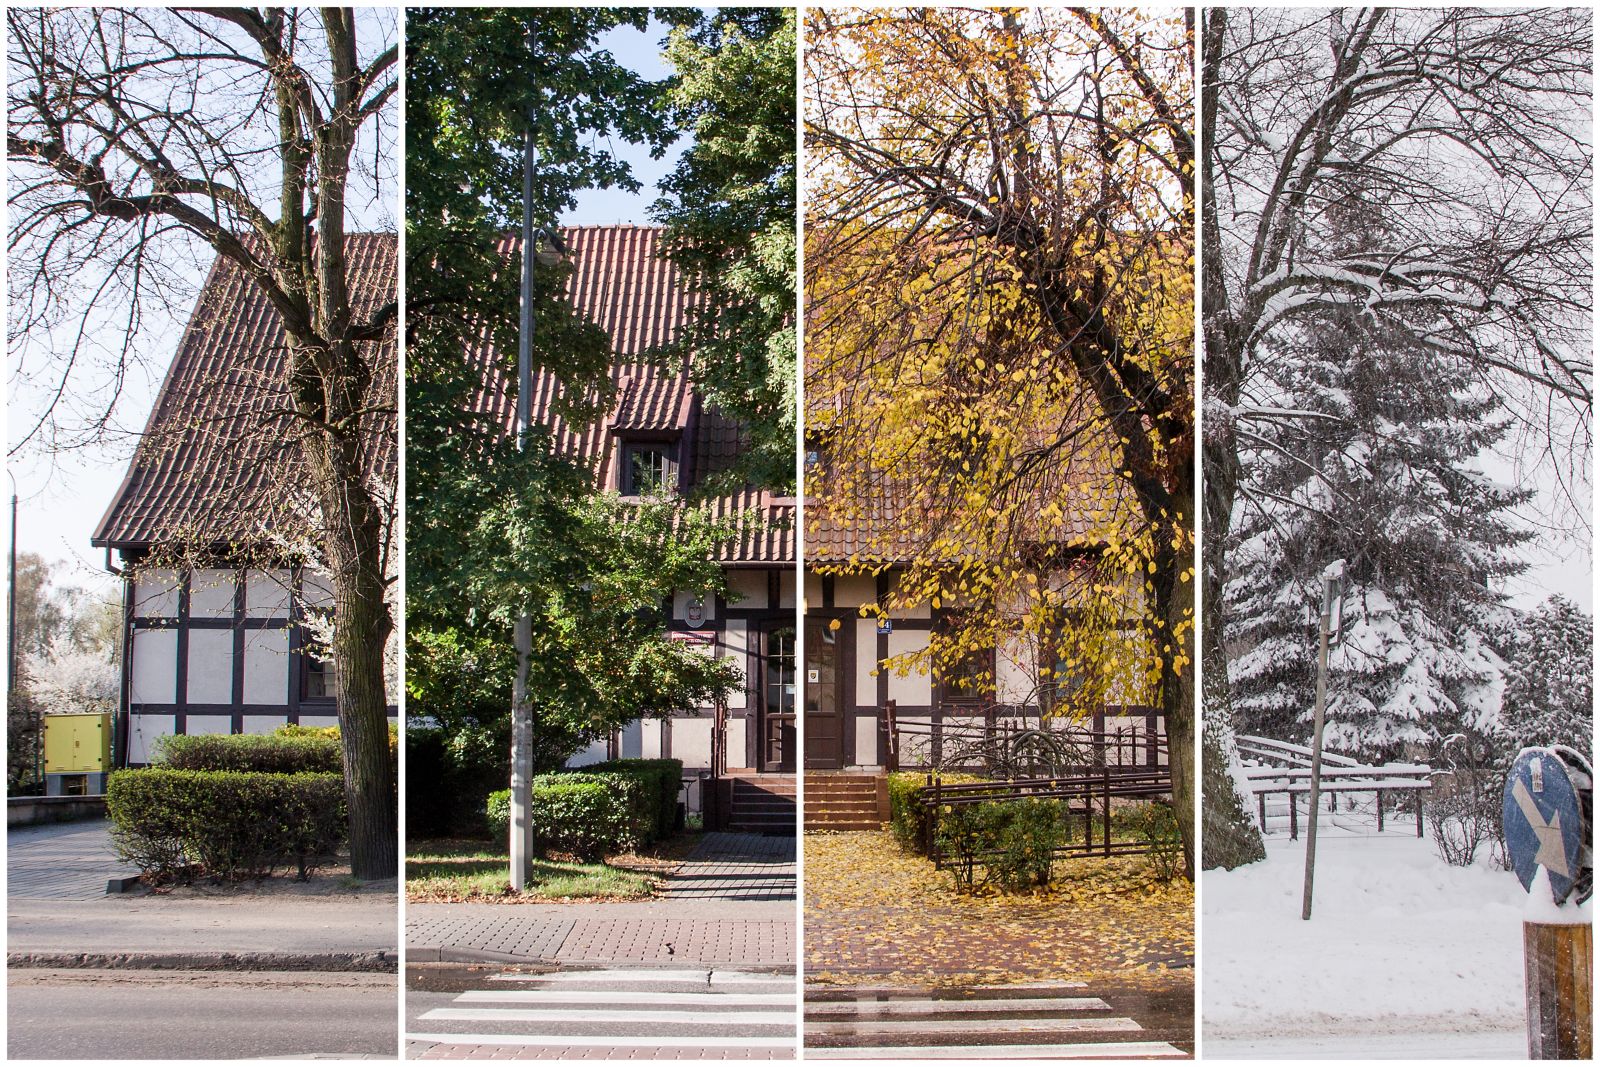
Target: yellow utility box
77 744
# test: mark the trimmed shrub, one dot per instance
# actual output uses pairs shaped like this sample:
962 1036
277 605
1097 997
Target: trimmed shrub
228 825
587 816
290 729
907 819
658 805
309 753
1013 840
1157 824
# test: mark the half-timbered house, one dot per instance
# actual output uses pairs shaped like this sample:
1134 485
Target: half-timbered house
209 527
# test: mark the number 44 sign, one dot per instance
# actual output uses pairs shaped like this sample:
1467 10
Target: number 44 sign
1545 823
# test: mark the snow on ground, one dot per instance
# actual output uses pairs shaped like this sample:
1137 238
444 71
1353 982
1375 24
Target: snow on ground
1401 949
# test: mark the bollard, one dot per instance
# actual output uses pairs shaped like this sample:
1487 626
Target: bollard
1558 962
1560 976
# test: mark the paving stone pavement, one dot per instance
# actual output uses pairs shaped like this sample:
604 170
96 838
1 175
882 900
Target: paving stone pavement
727 866
725 904
64 861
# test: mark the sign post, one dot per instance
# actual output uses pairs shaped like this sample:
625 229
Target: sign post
1328 623
1547 825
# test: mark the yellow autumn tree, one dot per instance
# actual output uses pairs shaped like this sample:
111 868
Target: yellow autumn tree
1000 335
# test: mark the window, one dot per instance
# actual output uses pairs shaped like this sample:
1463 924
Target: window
972 679
318 675
647 469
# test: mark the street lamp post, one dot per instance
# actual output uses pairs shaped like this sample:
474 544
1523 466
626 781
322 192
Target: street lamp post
533 253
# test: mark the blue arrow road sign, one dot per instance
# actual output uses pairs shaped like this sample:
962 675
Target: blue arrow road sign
1543 822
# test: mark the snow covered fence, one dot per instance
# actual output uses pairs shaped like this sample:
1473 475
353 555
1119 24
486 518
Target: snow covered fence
1273 767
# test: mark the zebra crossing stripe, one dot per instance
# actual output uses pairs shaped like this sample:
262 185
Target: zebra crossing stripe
572 1041
970 1026
564 1015
601 996
941 1007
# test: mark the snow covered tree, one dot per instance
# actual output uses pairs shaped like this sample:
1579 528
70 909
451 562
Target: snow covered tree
1549 679
1472 127
1375 466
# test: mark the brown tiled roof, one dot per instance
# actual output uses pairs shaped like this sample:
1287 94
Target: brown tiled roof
218 458
622 281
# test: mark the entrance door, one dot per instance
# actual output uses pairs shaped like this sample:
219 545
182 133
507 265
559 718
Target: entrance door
824 721
777 701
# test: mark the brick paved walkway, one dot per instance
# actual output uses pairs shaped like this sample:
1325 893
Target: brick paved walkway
728 903
64 861
736 867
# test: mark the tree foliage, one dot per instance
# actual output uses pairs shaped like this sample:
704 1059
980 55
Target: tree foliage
1000 336
1549 678
497 531
729 209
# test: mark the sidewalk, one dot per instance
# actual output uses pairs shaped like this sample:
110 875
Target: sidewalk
732 901
59 915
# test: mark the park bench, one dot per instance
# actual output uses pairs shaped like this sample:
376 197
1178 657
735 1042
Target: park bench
1273 767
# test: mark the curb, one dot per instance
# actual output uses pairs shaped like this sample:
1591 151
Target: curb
453 955
370 962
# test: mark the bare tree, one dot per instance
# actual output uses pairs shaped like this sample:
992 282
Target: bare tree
1468 130
135 135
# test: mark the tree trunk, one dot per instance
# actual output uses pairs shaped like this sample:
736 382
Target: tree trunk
351 541
1175 605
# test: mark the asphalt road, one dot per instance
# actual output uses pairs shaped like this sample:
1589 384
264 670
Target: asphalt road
108 1015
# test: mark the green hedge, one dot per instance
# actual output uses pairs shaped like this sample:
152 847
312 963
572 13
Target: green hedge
639 806
662 780
175 824
311 753
587 818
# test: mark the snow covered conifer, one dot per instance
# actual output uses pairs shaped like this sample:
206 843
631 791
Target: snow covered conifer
1549 684
1373 461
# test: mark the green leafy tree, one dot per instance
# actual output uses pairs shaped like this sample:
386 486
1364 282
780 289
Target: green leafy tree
496 531
729 209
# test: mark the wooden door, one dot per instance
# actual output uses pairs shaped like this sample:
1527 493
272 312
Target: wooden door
823 707
777 700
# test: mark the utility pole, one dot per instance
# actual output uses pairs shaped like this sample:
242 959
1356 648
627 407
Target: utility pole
1332 592
521 709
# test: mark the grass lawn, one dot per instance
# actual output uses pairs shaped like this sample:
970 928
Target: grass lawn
455 870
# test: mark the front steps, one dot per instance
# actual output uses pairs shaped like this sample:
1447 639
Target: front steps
760 803
844 800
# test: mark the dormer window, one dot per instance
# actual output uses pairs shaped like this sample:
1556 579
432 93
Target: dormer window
649 468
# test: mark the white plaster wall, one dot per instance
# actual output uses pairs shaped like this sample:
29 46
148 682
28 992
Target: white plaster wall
210 670
914 688
266 667
915 749
786 589
263 724
155 667
595 753
633 740
155 595
854 590
866 741
866 662
650 741
747 589
316 590
680 607
691 742
736 649
211 593
738 737
266 594
319 721
208 724
1014 672
144 733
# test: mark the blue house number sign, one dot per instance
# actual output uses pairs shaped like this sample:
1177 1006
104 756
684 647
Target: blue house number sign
1543 821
